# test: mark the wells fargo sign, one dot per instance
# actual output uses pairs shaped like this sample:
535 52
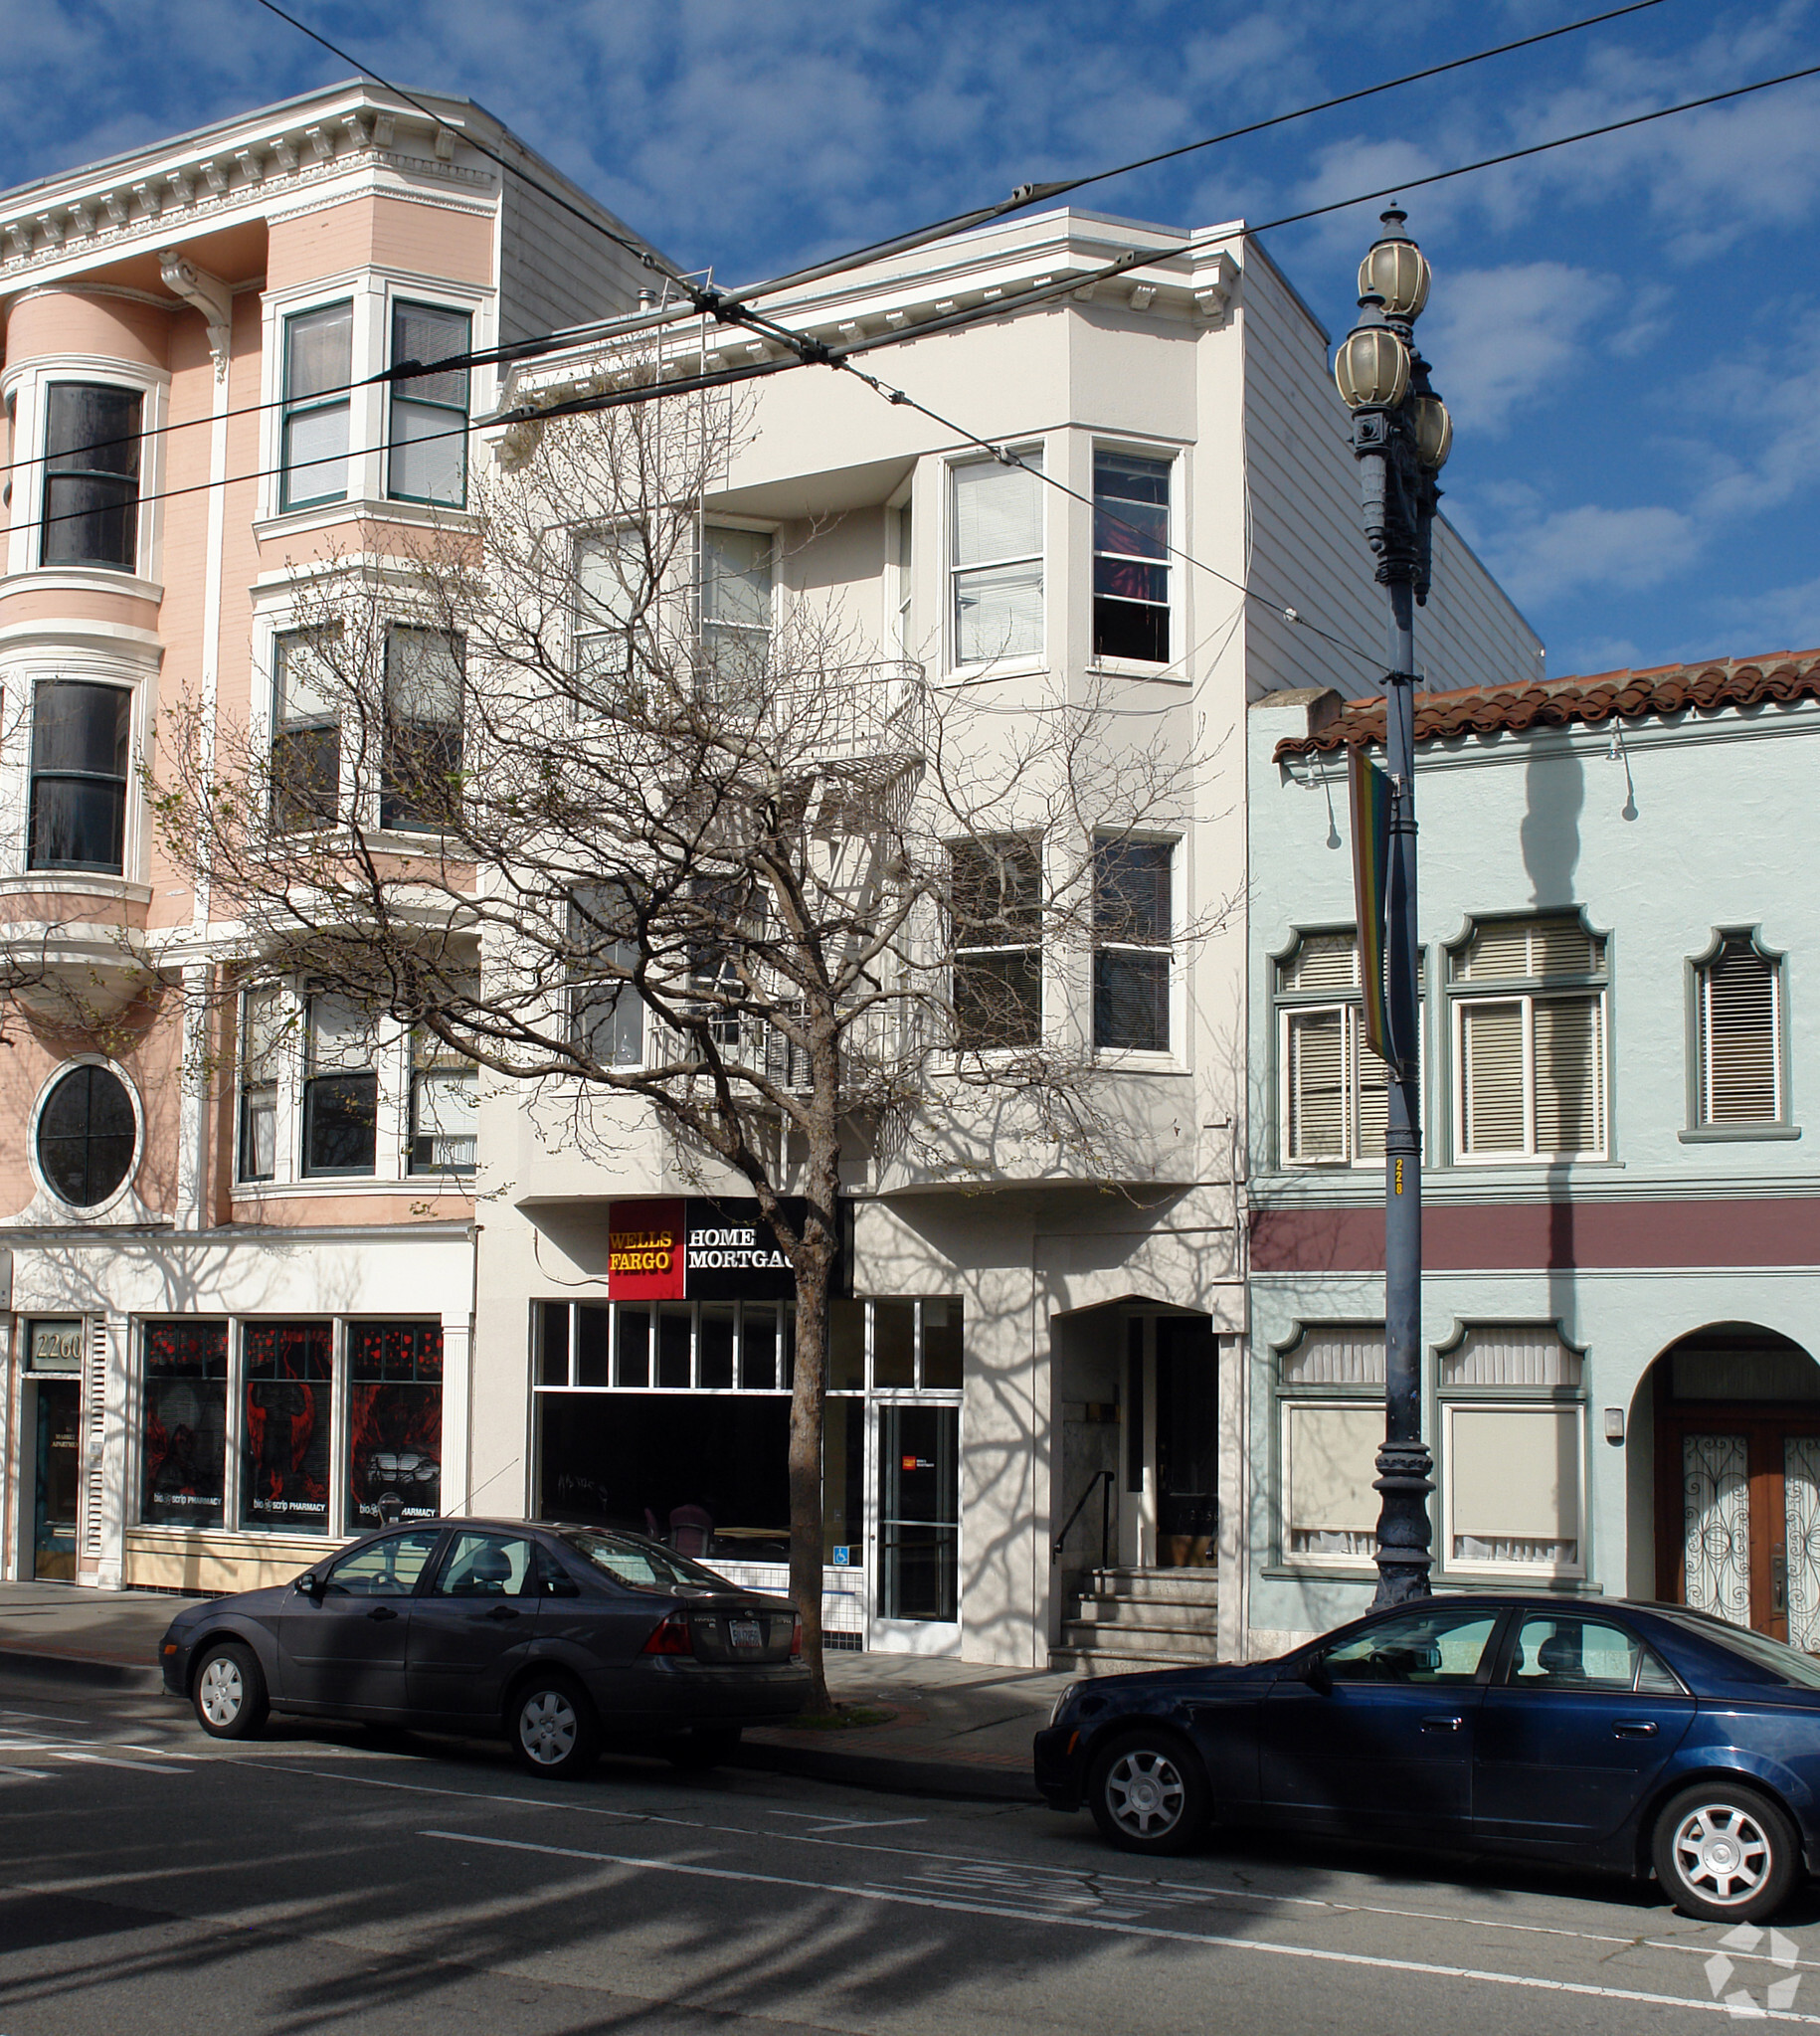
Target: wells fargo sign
697 1248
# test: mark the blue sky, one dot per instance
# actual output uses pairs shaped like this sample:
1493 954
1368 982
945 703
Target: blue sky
1625 331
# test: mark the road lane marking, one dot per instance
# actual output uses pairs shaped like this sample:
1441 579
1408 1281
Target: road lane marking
1263 1897
822 1820
1314 1953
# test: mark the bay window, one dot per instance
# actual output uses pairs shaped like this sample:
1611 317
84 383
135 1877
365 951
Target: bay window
998 560
315 406
429 436
1529 1024
995 903
91 476
444 1093
612 591
735 614
1131 557
340 1087
1132 931
607 1012
305 732
263 1030
81 751
420 770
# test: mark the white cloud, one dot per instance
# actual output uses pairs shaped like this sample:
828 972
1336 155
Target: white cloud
1499 336
1590 548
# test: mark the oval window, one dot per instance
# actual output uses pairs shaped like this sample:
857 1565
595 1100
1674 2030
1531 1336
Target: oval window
86 1136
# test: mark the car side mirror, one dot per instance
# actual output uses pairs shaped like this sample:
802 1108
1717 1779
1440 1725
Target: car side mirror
309 1585
561 1587
1316 1674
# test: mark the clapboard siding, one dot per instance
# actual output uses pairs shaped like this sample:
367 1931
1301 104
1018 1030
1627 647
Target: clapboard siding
554 270
1307 548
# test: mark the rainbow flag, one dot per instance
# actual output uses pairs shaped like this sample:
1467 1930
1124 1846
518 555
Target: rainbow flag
1370 793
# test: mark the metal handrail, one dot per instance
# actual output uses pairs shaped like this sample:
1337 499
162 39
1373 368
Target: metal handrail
1104 1479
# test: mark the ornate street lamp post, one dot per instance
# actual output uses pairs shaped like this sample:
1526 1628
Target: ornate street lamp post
1401 435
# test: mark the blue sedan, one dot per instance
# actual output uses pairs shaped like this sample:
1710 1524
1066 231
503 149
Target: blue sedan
1628 1737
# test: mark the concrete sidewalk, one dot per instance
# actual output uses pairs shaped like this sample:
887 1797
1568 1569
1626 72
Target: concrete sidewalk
958 1729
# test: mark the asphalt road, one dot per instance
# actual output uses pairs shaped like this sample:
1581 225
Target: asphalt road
323 1878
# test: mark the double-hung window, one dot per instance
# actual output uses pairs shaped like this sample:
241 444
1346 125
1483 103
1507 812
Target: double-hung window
1132 930
420 782
264 1034
305 733
428 457
605 1011
612 596
1331 1421
340 1087
317 405
81 746
444 1117
1513 1451
1334 1089
91 476
1738 1024
998 560
735 619
1529 1035
996 930
1131 552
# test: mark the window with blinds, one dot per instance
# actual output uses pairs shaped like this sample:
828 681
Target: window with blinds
1334 1089
1330 1415
998 560
1529 1061
1514 1451
1739 1016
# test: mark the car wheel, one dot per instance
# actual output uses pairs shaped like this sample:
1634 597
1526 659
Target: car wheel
230 1691
1725 1853
706 1747
552 1728
1149 1793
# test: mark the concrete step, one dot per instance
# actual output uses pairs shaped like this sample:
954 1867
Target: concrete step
1184 1638
1151 1585
1096 1661
1136 1612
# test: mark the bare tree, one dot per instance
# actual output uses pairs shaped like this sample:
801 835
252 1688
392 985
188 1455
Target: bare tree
556 792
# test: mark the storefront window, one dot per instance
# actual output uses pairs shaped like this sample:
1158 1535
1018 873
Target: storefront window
284 1463
395 1416
919 1517
185 1457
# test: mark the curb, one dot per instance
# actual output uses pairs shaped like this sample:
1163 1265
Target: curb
943 1779
80 1668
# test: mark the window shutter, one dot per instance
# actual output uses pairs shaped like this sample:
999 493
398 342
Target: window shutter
1516 948
1324 961
1569 1109
1372 1088
1739 1035
1491 1037
95 1437
1337 1353
1317 1086
1511 1354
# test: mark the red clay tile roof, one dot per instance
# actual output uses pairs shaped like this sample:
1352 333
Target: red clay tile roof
1560 703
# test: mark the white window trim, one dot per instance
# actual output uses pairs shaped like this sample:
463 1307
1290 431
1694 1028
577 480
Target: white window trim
27 390
956 670
1174 1055
1467 994
123 1204
373 292
1047 992
1174 455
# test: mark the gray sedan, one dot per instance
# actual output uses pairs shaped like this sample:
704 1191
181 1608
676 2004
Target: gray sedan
556 1637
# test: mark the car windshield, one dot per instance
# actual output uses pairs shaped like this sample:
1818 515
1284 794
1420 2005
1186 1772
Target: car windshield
643 1563
1759 1650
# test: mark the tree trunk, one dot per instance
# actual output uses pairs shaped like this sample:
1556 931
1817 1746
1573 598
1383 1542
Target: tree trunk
808 1393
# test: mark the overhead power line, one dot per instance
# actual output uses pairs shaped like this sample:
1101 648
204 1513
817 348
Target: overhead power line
1027 195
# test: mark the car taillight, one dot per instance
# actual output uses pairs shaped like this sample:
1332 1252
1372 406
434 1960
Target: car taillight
670 1636
795 1638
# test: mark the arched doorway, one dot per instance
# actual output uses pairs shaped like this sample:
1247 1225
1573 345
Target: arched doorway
1737 1479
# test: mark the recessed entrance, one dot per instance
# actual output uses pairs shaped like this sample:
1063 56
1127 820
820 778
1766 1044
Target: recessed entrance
1738 1480
56 1479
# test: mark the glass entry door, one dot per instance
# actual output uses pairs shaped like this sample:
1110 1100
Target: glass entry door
57 1479
1748 1521
917 1511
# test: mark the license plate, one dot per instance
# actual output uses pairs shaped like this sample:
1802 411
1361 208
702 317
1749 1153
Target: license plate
746 1632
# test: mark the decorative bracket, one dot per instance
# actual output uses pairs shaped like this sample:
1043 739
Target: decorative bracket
205 293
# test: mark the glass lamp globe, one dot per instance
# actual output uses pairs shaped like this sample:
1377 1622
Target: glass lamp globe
1398 270
1433 431
1372 368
